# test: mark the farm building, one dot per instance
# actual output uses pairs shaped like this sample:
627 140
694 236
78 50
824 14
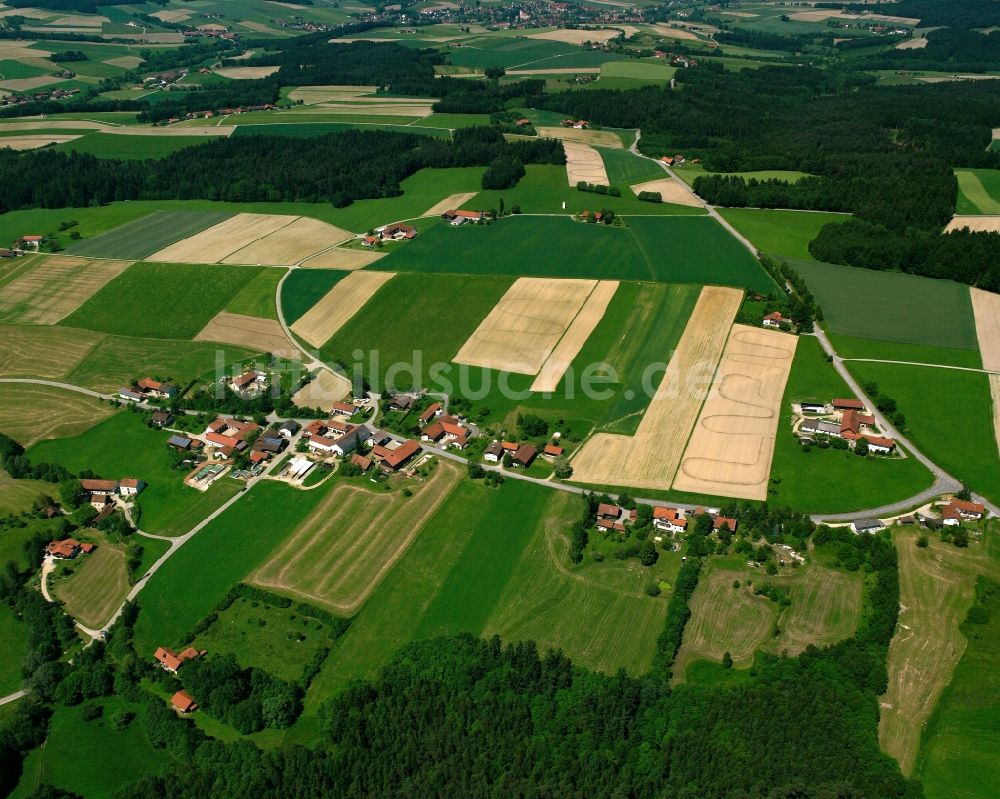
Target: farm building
397 231
346 408
362 462
773 319
180 443
494 452
392 460
812 407
968 510
670 519
524 455
130 395
431 411
401 402
67 549
552 451
171 662
848 405
245 383
162 418
289 428
457 218
183 703
154 388
866 525
29 242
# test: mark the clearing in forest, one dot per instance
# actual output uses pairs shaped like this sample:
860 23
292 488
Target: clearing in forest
339 304
825 609
290 244
265 335
559 360
338 555
309 95
524 328
94 592
670 191
986 307
246 73
220 241
55 287
977 224
650 458
730 450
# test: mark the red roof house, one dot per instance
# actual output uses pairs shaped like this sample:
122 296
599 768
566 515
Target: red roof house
183 703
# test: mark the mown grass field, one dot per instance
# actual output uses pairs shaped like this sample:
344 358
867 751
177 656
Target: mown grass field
780 233
892 306
831 481
303 288
691 172
978 191
46 352
192 582
17 495
507 52
624 168
850 347
308 130
13 648
256 298
30 413
944 438
957 750
130 148
662 249
122 446
161 300
97 587
149 234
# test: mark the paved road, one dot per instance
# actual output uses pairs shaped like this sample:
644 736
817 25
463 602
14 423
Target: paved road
12 697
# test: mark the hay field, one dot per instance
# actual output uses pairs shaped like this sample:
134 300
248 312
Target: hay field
524 328
29 84
986 307
125 61
936 589
222 240
323 390
22 143
264 335
46 352
730 450
674 33
650 458
576 36
975 194
14 50
335 309
555 366
340 554
310 95
93 593
30 413
724 619
290 244
584 163
596 138
246 73
913 44
450 203
977 224
671 191
825 609
380 109
342 258
55 287
556 71
171 16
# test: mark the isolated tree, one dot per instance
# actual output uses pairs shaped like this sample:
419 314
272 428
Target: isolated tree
494 72
647 553
562 469
727 661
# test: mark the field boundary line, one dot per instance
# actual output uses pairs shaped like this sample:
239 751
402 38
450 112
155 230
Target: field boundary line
921 363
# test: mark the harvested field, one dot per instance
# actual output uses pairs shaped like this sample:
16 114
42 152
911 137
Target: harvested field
977 224
264 335
94 592
246 73
117 130
171 16
576 36
81 21
45 352
125 61
671 191
324 94
147 234
346 298
323 390
825 609
33 142
29 84
55 287
450 203
584 163
936 589
740 14
986 307
913 44
596 138
289 245
730 450
14 50
524 328
650 458
575 337
382 109
342 258
673 33
340 554
220 241
31 413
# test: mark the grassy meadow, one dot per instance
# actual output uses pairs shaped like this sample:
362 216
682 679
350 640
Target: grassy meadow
96 588
849 347
256 298
130 148
13 648
303 288
978 191
780 234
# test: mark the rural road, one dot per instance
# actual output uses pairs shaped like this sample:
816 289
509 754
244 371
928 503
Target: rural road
48 566
918 363
4 700
54 384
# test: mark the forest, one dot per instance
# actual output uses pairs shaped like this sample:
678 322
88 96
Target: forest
356 165
932 13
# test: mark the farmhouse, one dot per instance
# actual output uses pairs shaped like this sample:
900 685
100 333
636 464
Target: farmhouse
162 418
154 388
719 522
494 452
457 218
670 519
613 517
552 451
245 383
362 462
346 408
183 703
397 231
773 319
866 525
524 455
968 510
401 402
100 487
950 516
289 428
369 241
430 412
391 460
315 428
130 486
223 442
848 405
130 395
171 662
852 422
67 549
880 444
231 428
29 242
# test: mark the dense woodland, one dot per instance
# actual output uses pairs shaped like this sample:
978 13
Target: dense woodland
355 165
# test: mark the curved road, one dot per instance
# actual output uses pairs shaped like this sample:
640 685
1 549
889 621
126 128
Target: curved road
54 384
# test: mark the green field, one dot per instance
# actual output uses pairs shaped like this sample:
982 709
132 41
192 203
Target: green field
780 233
849 347
624 168
978 191
96 588
13 648
122 446
161 300
964 443
452 121
143 237
303 288
892 306
831 481
130 148
257 297
638 72
667 249
508 52
17 495
307 130
959 742
193 581
690 172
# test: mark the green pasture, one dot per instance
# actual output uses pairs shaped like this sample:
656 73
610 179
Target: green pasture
646 71
781 234
16 70
13 648
256 298
303 288
452 121
978 191
830 480
959 742
161 300
962 443
122 446
17 495
148 234
508 53
849 347
624 168
130 148
891 305
309 129
689 172
192 582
